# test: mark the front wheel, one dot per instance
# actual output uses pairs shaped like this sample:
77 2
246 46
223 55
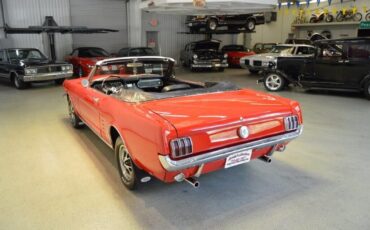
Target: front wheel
126 168
59 81
357 17
340 17
19 83
367 90
251 25
274 82
312 20
253 71
212 24
367 17
73 117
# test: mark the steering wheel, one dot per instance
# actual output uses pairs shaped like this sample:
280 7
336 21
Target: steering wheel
106 78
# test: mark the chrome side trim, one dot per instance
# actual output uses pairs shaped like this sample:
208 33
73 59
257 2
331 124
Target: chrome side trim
176 165
48 76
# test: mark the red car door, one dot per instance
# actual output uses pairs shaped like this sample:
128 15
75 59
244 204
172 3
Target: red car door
89 108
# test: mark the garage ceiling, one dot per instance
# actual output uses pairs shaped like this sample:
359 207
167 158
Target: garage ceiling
213 7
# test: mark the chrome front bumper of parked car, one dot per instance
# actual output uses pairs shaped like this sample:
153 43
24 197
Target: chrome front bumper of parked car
176 165
47 76
210 65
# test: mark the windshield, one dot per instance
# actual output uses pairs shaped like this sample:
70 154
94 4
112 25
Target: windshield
132 68
282 49
206 46
93 52
234 48
25 54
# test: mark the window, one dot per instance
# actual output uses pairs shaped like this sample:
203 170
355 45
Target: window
123 52
26 54
330 51
361 51
74 53
136 52
93 52
259 46
305 50
2 56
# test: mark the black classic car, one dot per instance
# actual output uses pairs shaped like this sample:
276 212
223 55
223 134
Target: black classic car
340 64
232 22
136 51
203 55
23 66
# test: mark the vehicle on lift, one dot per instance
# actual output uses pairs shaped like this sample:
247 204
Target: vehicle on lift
27 65
261 48
340 64
235 52
136 51
177 130
258 62
203 55
83 59
232 22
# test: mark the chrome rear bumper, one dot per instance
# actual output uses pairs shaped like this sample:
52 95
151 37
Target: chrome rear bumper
176 165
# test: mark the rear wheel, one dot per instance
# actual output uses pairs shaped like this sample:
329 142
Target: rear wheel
367 90
73 117
329 18
126 167
312 20
274 82
357 17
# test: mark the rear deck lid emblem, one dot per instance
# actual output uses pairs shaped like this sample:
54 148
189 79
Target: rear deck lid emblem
243 132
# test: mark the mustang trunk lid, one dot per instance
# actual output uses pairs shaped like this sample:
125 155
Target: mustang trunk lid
212 120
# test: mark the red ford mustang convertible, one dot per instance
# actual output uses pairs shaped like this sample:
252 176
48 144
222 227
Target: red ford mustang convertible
177 130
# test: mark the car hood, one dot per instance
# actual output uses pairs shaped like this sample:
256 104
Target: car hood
222 114
36 62
267 56
240 53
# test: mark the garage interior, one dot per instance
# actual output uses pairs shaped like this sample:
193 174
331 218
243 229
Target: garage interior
56 177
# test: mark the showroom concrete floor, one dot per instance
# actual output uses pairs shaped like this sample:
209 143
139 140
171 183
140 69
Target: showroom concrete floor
56 177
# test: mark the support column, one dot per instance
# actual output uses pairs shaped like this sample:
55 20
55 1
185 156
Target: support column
134 24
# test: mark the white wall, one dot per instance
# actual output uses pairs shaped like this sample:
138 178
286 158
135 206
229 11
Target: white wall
110 14
32 13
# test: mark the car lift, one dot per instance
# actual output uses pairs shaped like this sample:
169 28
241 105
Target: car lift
51 27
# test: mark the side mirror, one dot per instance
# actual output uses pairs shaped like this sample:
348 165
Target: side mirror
85 83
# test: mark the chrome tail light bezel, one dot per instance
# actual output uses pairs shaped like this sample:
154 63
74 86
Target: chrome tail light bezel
181 147
291 123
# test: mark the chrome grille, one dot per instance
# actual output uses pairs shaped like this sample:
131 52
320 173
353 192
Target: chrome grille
291 123
181 147
246 62
257 63
49 69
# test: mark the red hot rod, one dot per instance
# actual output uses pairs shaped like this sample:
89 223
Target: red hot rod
173 129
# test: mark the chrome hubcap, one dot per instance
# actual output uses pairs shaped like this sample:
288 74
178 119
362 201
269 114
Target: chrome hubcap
212 25
250 25
273 82
16 82
125 164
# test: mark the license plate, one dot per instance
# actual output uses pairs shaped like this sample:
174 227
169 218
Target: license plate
238 158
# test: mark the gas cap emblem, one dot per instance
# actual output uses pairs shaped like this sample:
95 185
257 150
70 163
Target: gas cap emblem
243 132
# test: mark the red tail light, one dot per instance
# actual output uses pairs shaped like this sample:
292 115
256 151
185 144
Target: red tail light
181 147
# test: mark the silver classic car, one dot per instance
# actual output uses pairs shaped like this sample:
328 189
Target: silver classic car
256 63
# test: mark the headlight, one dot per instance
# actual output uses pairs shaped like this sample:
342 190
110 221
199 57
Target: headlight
64 68
195 56
225 55
90 66
31 71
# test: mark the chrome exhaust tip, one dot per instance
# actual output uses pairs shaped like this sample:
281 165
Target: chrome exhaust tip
265 159
193 182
